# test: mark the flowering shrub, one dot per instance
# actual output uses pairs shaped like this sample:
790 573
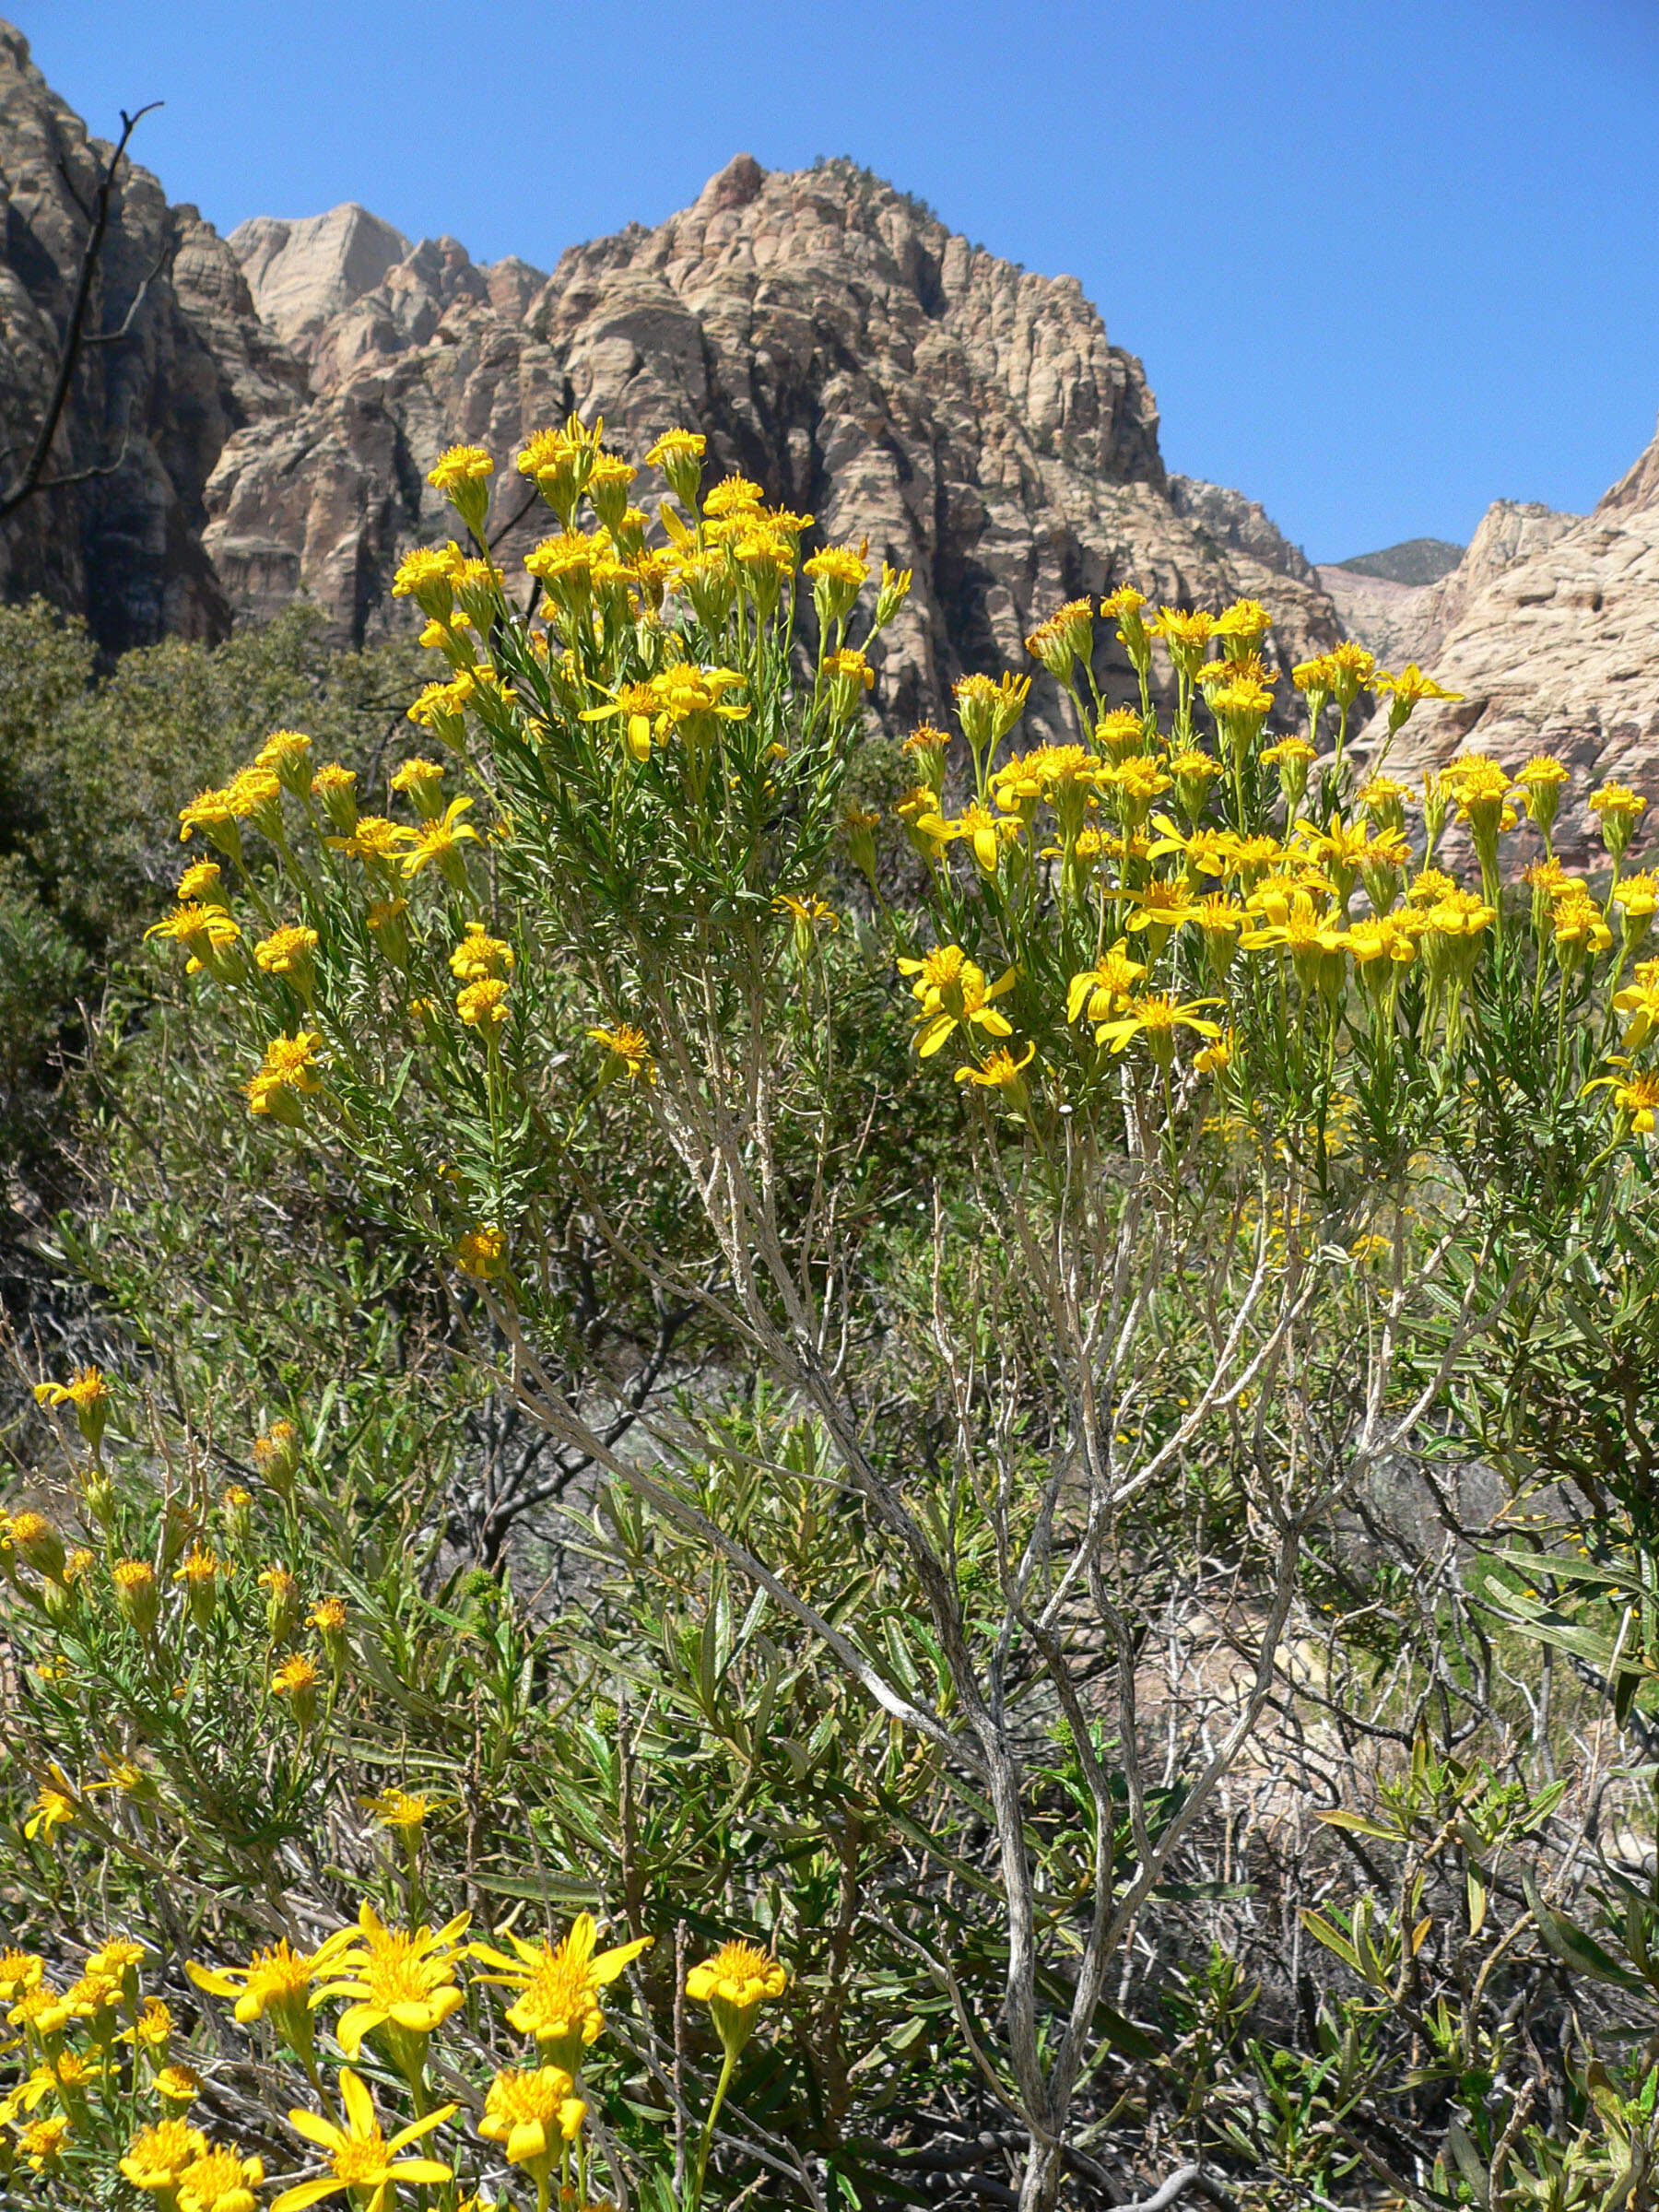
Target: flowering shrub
1245 1131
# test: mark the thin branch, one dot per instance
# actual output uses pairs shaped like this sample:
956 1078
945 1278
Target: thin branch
32 478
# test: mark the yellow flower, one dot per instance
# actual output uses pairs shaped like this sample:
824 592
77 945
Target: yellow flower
1242 624
288 953
200 1574
42 2143
137 1597
40 1543
178 2085
732 495
422 782
207 932
459 464
479 955
626 1054
483 1004
809 916
837 576
295 1681
954 994
1581 927
1065 636
1156 1019
402 1979
559 1986
282 1603
1214 1059
158 2155
427 575
438 840
360 2159
19 1970
278 1981
482 1253
1002 1072
1618 809
52 1808
1406 690
734 1985
1350 668
285 754
89 1392
1186 634
275 1454
679 453
396 1809
1638 1003
530 2114
287 1073
221 2181
1635 1100
374 839
989 707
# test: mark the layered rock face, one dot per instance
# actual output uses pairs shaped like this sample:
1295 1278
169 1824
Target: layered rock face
1549 627
271 411
150 411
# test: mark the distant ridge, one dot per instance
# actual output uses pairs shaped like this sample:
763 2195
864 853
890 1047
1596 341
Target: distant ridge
1417 560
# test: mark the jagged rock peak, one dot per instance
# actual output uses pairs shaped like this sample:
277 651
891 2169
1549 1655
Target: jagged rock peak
302 273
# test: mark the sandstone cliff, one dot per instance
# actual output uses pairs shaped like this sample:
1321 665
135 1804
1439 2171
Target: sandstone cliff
1549 627
971 421
268 414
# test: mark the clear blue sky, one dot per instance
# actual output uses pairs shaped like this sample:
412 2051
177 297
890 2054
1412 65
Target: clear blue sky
1384 260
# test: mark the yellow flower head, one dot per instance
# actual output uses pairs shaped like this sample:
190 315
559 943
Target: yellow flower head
157 2155
558 1985
627 1054
277 1981
732 496
482 1253
221 2181
285 753
531 2114
422 782
19 1970
483 1005
438 839
361 2161
398 1810
290 953
953 993
178 2085
734 1984
400 1978
288 1073
458 465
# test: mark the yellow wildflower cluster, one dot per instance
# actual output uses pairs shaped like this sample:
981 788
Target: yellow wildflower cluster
1254 875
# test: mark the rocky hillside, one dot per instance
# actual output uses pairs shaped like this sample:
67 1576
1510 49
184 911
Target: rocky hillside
269 416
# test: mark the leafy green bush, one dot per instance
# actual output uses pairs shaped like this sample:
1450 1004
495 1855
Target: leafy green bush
878 1485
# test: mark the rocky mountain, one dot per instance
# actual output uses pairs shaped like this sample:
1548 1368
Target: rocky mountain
271 406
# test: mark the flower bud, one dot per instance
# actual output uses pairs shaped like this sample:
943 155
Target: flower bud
38 1543
136 1596
282 1603
277 1457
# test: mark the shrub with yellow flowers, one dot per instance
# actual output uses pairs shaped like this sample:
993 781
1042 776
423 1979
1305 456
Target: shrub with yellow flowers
1073 1247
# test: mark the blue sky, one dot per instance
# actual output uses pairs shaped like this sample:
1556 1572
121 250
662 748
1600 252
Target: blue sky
1384 260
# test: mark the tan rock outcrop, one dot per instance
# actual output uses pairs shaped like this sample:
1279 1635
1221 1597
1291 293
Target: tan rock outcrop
272 412
973 420
1550 630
